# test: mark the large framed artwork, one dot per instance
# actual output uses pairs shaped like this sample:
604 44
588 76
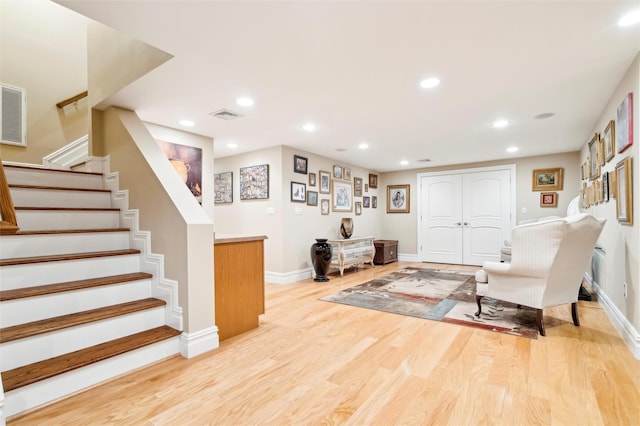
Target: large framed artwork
187 162
624 123
398 198
254 182
624 200
223 183
342 196
548 179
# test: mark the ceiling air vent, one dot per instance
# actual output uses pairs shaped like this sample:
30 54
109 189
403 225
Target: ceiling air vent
225 114
425 160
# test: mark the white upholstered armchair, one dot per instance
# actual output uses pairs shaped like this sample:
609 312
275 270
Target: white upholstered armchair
548 261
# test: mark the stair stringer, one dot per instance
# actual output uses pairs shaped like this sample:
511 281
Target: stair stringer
161 287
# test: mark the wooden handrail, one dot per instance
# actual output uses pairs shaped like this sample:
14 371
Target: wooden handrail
72 99
8 222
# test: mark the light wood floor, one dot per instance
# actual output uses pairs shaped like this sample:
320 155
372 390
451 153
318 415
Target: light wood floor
313 362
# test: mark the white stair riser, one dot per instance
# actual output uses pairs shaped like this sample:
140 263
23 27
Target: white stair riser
50 244
21 276
35 197
37 348
37 220
40 393
31 309
19 176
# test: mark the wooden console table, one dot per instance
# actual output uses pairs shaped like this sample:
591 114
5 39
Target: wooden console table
239 283
352 252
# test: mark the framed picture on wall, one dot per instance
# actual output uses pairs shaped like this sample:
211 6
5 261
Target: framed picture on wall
358 208
254 182
312 198
366 202
298 192
342 195
324 206
312 179
300 164
608 141
398 198
223 184
549 199
337 172
373 181
357 186
624 125
548 179
624 201
325 182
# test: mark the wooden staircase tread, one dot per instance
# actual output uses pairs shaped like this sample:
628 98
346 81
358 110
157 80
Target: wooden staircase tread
35 167
84 209
57 188
41 290
71 231
32 373
47 325
63 257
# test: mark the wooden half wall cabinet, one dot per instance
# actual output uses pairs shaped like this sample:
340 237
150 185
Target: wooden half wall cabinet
239 283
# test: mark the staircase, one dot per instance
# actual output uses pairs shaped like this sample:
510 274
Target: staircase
75 308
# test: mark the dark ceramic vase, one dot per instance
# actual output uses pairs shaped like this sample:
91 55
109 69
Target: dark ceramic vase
321 253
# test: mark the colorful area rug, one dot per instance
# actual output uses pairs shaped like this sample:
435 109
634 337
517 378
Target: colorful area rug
438 295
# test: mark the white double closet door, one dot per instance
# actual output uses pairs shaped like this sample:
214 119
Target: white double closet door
465 216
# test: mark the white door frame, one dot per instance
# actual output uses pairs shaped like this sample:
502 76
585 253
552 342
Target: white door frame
510 167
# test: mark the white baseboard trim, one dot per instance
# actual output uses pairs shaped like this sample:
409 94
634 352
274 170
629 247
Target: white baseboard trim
403 257
193 344
287 277
628 333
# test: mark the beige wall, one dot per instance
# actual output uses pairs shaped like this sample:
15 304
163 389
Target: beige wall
404 227
43 38
294 226
621 242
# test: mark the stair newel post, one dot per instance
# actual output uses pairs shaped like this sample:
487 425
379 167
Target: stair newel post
8 221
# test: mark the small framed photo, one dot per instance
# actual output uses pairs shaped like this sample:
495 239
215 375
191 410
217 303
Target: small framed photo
312 179
358 208
366 202
594 157
223 184
624 201
549 199
346 174
337 172
398 198
298 192
609 141
300 164
324 206
357 186
373 181
624 125
547 179
366 187
312 198
342 195
325 182
374 202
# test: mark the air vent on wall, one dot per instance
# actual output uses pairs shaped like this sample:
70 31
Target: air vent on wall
13 115
225 114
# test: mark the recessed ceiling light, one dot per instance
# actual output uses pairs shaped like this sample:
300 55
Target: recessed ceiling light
512 149
544 115
309 127
429 83
232 145
187 123
244 101
498 124
630 19
363 146
404 163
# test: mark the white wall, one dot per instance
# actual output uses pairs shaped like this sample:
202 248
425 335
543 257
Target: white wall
621 242
39 38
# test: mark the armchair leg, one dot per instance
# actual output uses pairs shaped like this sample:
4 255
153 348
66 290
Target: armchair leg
540 322
478 299
574 314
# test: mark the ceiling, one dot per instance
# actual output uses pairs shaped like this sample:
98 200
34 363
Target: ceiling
353 68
